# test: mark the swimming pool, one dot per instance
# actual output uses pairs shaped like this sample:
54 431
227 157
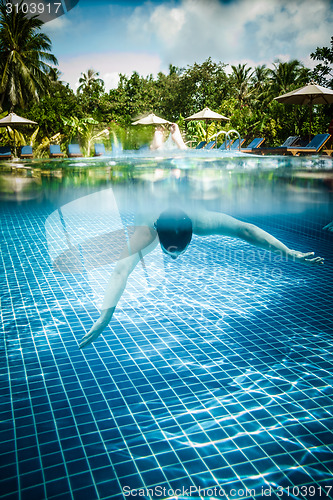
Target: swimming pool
214 377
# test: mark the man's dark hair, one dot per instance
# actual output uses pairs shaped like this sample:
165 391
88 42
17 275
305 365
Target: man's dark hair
174 229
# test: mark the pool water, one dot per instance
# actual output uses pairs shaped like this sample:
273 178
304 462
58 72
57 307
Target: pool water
214 377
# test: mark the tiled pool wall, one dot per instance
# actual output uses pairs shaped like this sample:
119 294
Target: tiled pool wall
221 377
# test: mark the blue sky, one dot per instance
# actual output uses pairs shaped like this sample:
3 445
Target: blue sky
121 36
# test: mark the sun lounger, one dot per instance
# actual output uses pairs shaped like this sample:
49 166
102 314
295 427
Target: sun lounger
5 153
26 152
235 144
55 151
210 145
99 150
314 146
200 145
74 151
253 146
278 150
222 147
290 141
232 145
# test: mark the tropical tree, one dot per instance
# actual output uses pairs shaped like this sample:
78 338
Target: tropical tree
90 94
288 75
323 72
260 82
89 81
201 85
167 93
241 80
54 75
46 112
25 57
77 128
133 96
286 120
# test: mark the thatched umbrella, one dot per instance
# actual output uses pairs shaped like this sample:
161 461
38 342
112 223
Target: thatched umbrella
207 115
15 121
309 95
151 119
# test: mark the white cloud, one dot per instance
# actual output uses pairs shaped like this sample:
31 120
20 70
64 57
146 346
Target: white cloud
169 21
295 27
111 80
153 35
193 30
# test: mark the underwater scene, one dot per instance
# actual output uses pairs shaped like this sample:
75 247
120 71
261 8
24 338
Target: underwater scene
213 378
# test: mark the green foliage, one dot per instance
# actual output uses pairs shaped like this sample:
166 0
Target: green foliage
90 93
89 82
240 80
287 76
85 131
25 58
90 136
11 136
77 128
31 84
323 72
42 148
246 96
202 85
48 111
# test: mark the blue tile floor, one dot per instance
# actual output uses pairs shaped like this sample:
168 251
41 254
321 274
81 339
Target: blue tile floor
215 384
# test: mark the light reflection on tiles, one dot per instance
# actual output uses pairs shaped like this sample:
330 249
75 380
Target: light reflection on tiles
222 378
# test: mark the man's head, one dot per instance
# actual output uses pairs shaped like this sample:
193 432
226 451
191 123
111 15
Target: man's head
174 229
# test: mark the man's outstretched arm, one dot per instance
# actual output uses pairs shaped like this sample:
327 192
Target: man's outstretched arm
260 238
209 223
142 238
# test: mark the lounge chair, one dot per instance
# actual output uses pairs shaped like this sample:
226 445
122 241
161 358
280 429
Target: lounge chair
232 145
5 153
26 152
223 148
253 146
99 149
200 145
74 151
327 151
55 151
292 140
210 145
314 146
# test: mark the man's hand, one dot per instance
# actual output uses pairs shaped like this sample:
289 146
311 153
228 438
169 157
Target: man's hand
97 328
306 258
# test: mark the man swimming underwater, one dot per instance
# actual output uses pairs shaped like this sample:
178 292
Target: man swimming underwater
173 230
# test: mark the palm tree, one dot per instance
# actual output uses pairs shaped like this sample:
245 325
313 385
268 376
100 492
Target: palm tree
323 72
261 84
241 78
260 77
54 75
288 75
24 57
87 80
